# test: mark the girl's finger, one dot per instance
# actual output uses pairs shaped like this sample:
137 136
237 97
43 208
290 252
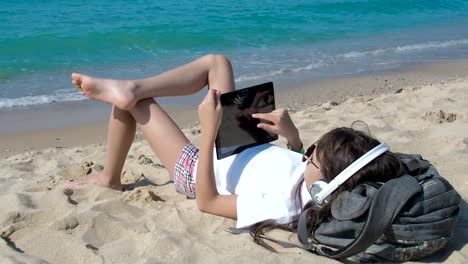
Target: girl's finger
267 127
265 116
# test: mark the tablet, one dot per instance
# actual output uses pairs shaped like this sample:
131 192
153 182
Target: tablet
238 129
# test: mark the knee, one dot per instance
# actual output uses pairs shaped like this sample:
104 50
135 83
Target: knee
142 106
217 60
121 114
144 103
143 109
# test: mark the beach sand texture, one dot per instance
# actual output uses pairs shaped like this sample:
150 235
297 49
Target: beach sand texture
151 223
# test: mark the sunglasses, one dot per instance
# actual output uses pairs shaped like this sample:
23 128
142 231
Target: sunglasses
308 154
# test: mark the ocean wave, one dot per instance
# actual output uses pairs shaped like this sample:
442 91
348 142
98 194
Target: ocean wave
251 77
406 48
58 96
68 95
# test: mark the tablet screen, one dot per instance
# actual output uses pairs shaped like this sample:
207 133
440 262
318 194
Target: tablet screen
238 129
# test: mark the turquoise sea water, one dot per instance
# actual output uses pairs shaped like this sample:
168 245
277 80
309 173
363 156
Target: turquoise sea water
42 41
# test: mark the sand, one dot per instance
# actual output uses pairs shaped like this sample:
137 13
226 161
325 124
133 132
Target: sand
151 223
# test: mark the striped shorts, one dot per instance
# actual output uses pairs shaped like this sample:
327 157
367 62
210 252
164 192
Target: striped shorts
183 173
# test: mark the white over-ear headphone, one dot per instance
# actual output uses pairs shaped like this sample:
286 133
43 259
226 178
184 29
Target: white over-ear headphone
320 190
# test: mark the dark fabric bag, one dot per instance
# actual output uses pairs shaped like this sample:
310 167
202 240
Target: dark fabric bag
407 218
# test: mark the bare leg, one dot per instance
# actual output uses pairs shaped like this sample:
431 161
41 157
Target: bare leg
187 79
162 133
165 137
120 135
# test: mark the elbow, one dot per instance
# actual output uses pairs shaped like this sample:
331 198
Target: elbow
202 206
206 205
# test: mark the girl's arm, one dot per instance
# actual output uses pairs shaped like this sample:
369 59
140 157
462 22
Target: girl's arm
207 196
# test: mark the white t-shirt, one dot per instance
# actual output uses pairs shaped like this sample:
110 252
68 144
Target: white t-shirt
265 178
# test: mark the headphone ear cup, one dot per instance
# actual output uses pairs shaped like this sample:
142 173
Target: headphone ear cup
316 188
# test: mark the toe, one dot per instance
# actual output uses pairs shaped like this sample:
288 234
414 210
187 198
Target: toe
73 184
77 84
70 185
76 76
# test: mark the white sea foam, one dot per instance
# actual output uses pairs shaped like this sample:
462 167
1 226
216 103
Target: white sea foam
285 70
58 96
407 48
67 95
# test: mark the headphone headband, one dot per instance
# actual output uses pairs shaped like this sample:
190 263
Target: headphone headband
327 189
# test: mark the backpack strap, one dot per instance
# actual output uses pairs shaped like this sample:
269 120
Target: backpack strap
386 205
413 164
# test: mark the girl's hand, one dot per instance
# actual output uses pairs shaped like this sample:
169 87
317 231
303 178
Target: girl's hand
279 123
210 113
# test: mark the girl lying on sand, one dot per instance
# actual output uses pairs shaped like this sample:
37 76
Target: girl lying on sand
260 183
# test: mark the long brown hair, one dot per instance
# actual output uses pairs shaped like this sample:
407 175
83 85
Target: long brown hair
336 150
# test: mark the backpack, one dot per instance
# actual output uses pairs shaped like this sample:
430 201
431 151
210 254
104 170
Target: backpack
406 218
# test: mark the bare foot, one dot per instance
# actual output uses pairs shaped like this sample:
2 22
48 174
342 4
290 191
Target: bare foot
117 92
98 179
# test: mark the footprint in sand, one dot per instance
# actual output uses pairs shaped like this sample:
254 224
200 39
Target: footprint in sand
142 159
25 219
42 185
106 228
67 223
76 171
440 117
140 196
26 166
329 105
